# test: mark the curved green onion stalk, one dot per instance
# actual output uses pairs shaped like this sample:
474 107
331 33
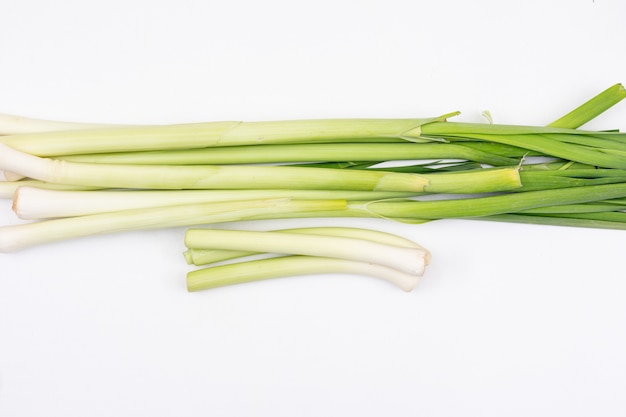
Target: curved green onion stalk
349 250
408 259
291 266
317 152
200 257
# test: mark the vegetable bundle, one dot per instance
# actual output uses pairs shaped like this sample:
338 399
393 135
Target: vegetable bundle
78 179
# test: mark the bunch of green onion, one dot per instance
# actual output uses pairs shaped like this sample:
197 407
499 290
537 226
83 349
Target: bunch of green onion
78 179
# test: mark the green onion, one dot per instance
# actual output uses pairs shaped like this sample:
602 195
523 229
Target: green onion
247 177
290 266
411 260
36 203
205 256
22 236
350 250
319 152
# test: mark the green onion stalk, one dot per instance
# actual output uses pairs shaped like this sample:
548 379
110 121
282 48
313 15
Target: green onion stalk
208 254
247 177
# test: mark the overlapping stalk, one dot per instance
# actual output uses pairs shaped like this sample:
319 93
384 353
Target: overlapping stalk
303 252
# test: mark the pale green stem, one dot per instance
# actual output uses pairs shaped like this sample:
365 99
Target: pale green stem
318 152
409 260
290 266
202 135
17 237
205 256
348 152
257 177
31 203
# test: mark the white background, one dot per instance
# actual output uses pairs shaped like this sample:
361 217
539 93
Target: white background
510 320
